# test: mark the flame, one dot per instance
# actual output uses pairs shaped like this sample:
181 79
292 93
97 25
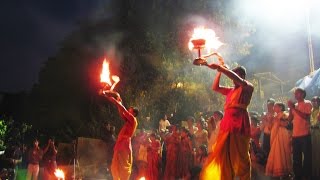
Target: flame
59 174
105 76
211 41
142 178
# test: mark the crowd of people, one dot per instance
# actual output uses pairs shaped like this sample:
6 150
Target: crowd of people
284 142
33 158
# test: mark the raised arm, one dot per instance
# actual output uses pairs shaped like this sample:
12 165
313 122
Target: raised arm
229 73
216 83
125 115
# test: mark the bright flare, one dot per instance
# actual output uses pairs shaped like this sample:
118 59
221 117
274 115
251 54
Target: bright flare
59 174
105 76
142 178
211 41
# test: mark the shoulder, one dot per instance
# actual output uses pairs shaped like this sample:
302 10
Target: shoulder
308 102
248 84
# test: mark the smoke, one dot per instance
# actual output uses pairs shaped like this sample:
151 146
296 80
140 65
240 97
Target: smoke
280 42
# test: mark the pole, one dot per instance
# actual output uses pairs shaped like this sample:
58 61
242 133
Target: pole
311 60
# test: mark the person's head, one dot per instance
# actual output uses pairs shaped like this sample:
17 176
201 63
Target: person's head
190 120
240 71
300 94
51 139
315 102
279 107
184 132
201 124
35 142
218 115
270 104
134 111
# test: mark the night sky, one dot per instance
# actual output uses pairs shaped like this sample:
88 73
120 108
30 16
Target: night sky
31 32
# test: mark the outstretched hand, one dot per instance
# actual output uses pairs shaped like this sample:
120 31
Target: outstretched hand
111 95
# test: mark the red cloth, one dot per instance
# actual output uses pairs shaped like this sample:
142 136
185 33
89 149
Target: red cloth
236 117
154 160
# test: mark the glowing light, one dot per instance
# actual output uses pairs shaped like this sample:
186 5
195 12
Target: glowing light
142 178
208 35
211 171
59 174
105 76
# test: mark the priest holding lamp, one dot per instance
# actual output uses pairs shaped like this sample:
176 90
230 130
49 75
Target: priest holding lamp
121 165
230 153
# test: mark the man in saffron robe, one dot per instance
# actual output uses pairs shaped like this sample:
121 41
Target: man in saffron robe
230 154
121 165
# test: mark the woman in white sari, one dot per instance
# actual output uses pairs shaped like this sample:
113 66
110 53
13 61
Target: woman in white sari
279 162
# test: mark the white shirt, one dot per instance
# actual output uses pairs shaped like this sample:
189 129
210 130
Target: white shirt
163 124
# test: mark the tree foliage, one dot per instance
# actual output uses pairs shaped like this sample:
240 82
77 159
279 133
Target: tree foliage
146 42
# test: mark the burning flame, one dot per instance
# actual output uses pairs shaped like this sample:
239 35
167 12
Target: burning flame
59 174
211 41
105 76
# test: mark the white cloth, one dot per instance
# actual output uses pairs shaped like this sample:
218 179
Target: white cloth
163 124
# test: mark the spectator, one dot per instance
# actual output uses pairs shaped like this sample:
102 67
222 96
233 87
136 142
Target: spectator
49 160
301 139
34 157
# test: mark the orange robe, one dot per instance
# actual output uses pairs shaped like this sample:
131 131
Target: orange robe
121 165
230 154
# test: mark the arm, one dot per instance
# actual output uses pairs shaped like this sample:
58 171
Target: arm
293 109
216 84
229 73
303 115
125 115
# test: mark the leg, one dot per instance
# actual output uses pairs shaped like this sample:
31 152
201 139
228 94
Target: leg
121 165
239 156
125 164
266 144
218 164
114 166
36 172
297 158
29 172
307 154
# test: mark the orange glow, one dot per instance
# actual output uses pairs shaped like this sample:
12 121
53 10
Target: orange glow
59 174
211 41
211 171
105 76
142 178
